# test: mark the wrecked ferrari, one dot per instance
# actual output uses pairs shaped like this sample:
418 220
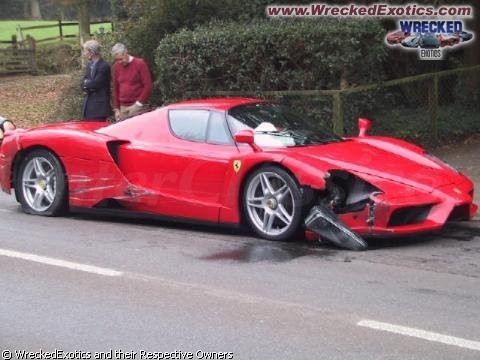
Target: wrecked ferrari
237 161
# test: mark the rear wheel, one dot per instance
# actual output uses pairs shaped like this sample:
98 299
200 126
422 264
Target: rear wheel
272 203
41 184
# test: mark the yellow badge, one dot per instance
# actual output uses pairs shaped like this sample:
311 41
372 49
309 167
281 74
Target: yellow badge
237 164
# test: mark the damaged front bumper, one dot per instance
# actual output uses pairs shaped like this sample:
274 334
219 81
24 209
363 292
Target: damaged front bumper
326 224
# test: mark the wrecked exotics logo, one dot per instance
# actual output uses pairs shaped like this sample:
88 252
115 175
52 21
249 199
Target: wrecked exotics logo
429 37
432 37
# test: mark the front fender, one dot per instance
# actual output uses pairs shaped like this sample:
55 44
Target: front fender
306 174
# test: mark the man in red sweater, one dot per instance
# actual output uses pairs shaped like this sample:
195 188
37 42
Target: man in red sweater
132 83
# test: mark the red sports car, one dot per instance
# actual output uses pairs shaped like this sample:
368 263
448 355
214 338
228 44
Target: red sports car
396 37
236 161
448 39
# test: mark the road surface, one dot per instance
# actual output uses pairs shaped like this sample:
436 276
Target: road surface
95 286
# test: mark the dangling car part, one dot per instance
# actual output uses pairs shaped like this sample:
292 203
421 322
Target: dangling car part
325 223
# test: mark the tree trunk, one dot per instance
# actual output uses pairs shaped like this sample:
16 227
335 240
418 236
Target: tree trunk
35 13
26 10
84 20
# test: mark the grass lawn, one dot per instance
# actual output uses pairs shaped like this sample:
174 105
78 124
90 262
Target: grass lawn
10 27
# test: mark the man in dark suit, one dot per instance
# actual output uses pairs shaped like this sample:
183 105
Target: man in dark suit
96 84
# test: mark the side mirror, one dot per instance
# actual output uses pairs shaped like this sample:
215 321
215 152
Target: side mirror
364 125
246 137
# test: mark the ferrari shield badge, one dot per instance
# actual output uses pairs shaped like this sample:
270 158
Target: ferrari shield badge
237 164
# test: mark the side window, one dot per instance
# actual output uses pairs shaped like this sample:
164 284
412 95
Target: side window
200 125
218 132
189 124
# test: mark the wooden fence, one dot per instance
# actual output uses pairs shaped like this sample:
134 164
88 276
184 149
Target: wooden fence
19 54
61 34
424 103
60 25
18 59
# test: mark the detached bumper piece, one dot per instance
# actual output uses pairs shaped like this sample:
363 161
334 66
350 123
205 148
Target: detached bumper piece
325 223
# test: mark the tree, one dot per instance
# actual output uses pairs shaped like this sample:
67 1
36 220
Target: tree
83 10
32 10
83 7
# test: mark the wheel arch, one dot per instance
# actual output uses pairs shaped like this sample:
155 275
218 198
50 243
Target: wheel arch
311 191
22 154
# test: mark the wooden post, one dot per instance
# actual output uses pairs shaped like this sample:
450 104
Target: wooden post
31 53
14 42
20 33
60 29
337 113
32 44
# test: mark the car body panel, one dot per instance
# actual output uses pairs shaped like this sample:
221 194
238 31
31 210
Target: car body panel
429 41
396 37
411 41
465 35
448 39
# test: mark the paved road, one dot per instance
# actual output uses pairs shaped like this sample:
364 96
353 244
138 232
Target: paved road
97 283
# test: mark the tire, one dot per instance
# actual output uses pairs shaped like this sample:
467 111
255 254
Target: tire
272 203
41 185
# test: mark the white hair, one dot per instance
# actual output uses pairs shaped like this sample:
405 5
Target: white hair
92 46
119 49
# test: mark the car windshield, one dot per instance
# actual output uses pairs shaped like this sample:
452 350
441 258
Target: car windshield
277 125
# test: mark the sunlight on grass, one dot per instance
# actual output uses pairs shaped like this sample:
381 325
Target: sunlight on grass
69 28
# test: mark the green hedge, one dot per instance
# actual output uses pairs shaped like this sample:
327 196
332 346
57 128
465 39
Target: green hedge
58 58
269 55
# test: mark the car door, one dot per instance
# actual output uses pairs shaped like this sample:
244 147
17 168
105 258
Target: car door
186 174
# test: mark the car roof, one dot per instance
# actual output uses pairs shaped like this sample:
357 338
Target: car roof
215 103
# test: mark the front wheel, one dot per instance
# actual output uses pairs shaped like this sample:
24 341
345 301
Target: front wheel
272 203
41 185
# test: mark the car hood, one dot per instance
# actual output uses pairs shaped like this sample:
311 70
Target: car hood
403 166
